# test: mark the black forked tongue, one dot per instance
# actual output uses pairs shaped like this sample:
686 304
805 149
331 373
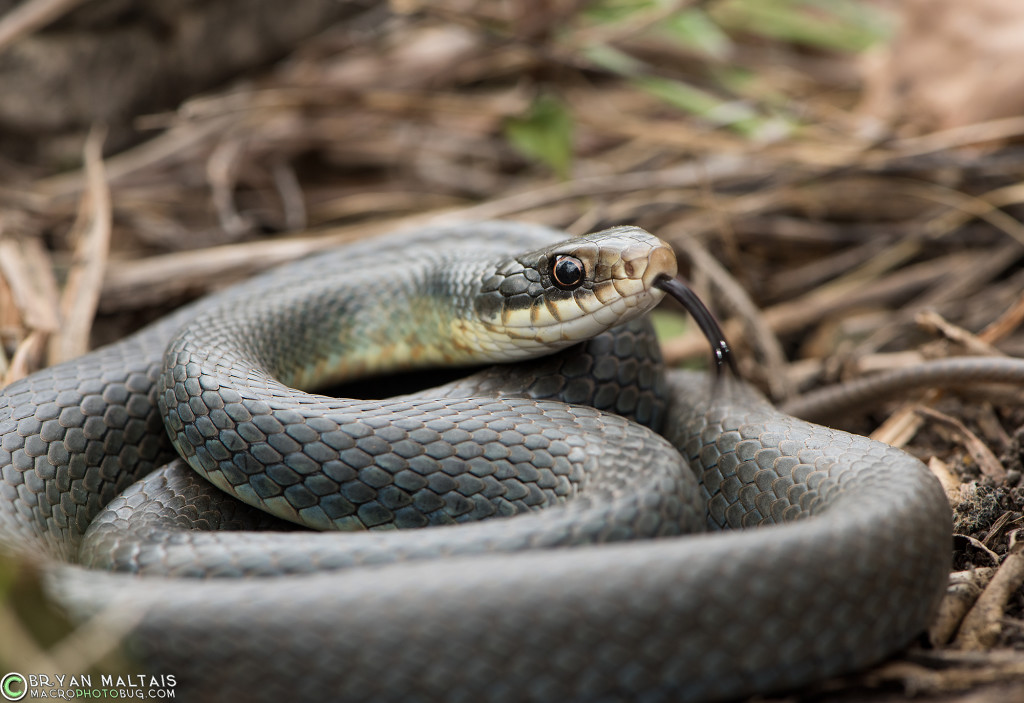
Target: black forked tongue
721 354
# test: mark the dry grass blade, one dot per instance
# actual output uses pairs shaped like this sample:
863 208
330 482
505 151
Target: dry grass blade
27 357
982 624
686 176
950 483
823 302
288 187
222 172
965 135
961 595
18 647
901 426
905 422
1005 324
149 158
760 334
101 635
987 462
150 281
974 344
25 267
30 16
85 279
950 677
948 292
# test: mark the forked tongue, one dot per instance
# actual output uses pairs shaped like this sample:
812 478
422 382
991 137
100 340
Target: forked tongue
720 351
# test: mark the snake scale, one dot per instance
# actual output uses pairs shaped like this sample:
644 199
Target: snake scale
583 587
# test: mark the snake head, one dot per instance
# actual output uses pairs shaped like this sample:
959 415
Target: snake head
553 297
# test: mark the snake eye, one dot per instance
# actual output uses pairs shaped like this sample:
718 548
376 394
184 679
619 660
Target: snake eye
567 272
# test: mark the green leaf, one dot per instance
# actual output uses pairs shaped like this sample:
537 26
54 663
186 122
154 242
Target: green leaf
669 325
544 134
737 115
616 11
693 28
840 25
611 59
699 102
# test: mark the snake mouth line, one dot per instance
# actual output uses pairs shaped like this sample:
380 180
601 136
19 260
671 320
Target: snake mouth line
720 350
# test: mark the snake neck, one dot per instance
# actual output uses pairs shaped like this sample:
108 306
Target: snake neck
352 324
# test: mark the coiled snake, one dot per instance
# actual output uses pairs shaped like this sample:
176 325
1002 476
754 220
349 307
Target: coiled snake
597 597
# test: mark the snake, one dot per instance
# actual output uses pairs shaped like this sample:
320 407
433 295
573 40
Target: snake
564 521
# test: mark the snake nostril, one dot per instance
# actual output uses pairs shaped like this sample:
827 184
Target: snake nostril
661 262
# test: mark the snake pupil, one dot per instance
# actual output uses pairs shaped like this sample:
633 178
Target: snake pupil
567 272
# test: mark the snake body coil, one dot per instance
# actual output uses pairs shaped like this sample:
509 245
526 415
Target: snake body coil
559 604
